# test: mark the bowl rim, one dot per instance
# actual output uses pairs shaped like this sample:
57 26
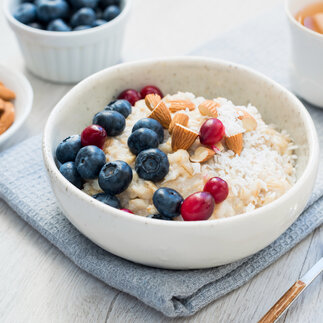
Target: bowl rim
299 25
27 107
52 34
311 165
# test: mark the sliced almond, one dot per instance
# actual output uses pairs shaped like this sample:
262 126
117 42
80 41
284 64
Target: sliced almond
6 94
182 137
177 105
7 117
179 118
249 123
202 154
161 114
235 143
208 108
152 100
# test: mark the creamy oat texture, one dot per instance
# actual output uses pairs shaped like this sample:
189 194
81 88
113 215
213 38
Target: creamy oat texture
263 172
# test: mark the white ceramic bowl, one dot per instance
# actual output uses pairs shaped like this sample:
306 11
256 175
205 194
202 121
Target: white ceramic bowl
306 67
23 102
176 244
68 57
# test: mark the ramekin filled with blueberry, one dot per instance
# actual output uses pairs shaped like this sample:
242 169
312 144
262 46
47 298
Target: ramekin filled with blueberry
180 162
67 40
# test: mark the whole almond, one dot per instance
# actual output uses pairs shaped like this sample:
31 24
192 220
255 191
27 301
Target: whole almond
7 117
235 143
209 108
161 114
152 100
202 154
182 137
178 105
179 118
2 105
249 123
6 94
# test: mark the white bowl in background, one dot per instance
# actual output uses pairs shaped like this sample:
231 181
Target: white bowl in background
174 244
306 69
68 57
18 83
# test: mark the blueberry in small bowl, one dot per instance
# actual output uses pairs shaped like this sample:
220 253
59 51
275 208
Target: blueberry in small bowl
26 13
48 10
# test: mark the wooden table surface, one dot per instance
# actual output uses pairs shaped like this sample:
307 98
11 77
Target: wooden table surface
39 284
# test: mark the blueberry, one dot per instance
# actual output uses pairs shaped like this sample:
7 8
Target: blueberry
84 3
70 172
142 139
84 17
112 121
99 14
111 12
58 25
159 217
36 25
48 10
150 124
121 106
82 27
168 202
108 199
68 148
99 22
152 165
25 13
115 177
106 3
89 161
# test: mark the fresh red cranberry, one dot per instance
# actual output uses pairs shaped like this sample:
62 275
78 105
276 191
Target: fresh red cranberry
197 207
218 188
130 95
93 135
126 210
150 89
211 131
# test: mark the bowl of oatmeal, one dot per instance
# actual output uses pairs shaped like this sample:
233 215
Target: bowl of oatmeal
209 165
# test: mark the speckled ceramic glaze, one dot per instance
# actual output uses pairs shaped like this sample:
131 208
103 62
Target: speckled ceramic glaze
182 245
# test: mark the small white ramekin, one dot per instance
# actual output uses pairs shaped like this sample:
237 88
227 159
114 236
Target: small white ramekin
68 57
306 68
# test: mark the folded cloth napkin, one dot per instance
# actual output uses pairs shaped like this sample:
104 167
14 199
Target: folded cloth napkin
25 187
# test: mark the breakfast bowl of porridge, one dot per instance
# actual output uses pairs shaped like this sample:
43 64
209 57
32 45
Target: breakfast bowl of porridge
181 162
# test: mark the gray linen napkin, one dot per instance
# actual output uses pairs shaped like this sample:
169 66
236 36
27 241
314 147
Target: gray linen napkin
262 44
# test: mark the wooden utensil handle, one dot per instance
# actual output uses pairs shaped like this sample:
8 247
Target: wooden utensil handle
283 302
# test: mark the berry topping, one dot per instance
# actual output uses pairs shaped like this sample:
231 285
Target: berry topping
93 135
84 3
159 217
197 207
83 17
112 121
150 124
152 165
126 210
218 188
89 161
150 89
58 25
25 13
111 12
108 200
70 172
121 106
68 149
211 131
48 10
167 202
142 139
130 95
115 177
